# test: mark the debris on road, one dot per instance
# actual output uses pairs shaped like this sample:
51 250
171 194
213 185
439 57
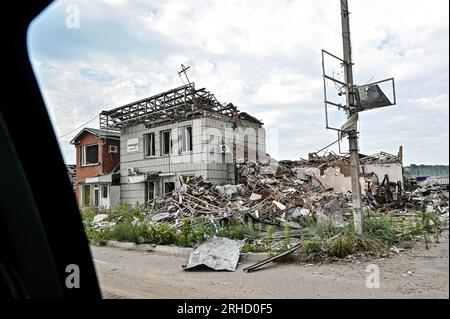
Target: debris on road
273 258
217 253
274 207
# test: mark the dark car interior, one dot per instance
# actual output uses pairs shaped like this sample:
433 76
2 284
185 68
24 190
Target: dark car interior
41 231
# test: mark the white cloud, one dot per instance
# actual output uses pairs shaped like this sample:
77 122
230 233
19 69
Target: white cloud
263 56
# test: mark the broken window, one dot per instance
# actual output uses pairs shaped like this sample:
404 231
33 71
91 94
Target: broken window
169 187
149 191
186 178
245 148
186 139
90 154
165 142
149 144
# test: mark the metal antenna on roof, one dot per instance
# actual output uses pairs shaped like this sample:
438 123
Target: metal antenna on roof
183 70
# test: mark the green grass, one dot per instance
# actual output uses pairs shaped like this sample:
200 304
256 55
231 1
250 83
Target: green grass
233 230
344 244
87 214
127 232
380 232
162 234
253 248
126 212
184 236
287 236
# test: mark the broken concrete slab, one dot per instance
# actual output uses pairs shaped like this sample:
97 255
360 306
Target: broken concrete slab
230 191
255 196
330 212
279 205
217 253
98 218
295 214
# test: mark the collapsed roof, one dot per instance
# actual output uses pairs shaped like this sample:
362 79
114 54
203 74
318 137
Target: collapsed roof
332 159
174 105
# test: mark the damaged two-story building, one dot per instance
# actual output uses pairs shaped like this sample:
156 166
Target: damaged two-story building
178 134
97 168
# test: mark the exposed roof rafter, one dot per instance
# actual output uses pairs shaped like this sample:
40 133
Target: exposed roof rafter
176 104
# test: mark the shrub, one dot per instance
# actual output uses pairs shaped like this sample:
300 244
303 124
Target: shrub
343 245
162 234
312 246
234 230
87 214
200 232
126 212
186 233
125 231
381 229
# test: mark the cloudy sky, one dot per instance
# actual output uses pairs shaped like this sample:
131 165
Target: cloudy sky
263 56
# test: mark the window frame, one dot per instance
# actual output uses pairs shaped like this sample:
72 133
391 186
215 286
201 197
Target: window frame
147 191
83 155
146 141
165 186
186 145
162 142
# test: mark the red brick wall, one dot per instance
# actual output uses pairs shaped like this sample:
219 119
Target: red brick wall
107 161
110 160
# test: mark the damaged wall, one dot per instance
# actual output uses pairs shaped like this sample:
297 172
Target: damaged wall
339 178
206 158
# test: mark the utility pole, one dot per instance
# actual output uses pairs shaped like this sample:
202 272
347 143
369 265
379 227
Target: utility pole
351 111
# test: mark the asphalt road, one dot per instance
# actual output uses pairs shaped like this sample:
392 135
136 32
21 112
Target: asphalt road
416 273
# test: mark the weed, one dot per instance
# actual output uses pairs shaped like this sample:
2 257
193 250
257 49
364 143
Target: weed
88 214
268 240
253 248
344 244
234 230
96 237
126 213
287 236
184 238
126 231
161 234
200 232
327 230
380 228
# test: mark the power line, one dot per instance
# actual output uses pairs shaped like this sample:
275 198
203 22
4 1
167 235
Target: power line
77 128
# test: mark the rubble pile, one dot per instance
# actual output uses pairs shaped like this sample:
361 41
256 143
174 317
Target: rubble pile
431 198
267 194
277 195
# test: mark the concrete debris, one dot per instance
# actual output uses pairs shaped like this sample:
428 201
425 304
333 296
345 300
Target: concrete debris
229 191
279 205
217 253
255 196
285 196
430 198
98 218
330 212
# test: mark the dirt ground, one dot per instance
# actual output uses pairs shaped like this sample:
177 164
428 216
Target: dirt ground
414 273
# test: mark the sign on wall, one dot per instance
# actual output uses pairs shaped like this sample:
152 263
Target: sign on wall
132 145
